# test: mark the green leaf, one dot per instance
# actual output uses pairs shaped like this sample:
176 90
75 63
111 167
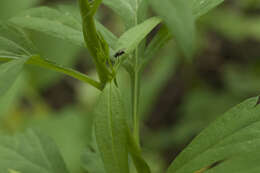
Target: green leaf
58 24
180 22
132 38
124 9
14 39
56 126
9 72
233 134
92 161
111 130
248 163
29 153
201 7
8 9
13 171
160 39
51 22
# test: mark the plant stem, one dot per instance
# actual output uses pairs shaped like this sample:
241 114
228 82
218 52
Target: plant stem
36 60
136 90
92 40
135 104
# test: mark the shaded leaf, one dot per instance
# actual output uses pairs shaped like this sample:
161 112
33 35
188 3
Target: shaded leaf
30 152
180 22
159 40
9 72
124 9
14 39
92 161
51 22
8 9
246 163
59 24
71 142
233 134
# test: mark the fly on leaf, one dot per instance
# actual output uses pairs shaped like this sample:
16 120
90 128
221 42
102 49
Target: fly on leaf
119 53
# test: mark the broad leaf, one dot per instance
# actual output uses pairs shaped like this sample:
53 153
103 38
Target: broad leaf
124 9
111 130
132 38
56 126
9 72
51 22
29 153
14 39
57 24
200 7
234 134
180 21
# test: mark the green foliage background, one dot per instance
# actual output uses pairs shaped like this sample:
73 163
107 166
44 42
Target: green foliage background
178 100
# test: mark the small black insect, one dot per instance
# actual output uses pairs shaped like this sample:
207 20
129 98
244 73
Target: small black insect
119 53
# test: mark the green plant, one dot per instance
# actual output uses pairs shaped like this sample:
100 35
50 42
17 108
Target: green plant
230 144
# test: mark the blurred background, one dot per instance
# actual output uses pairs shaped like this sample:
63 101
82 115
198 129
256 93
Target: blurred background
178 99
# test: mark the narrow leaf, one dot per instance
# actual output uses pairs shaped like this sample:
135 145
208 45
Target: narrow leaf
111 130
234 134
124 9
180 21
29 153
133 37
9 72
160 39
201 7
